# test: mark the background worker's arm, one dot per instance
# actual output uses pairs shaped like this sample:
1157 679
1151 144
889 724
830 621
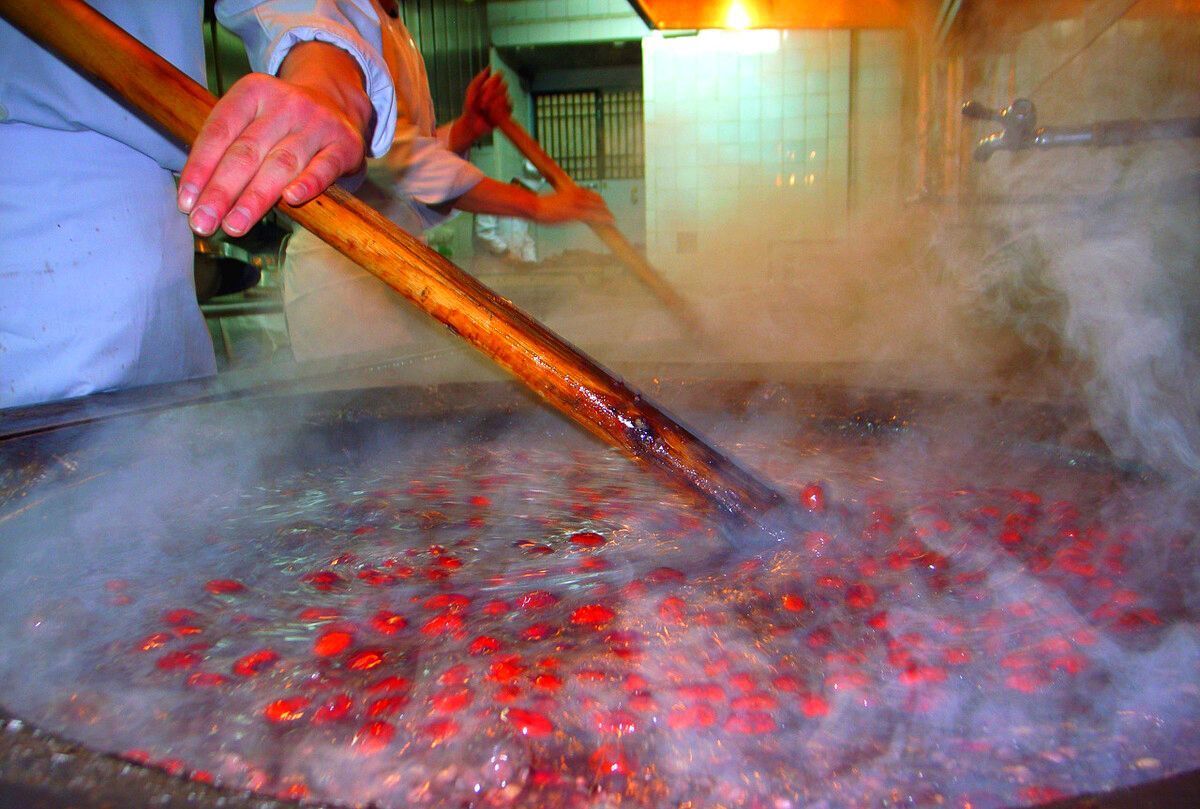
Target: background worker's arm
505 199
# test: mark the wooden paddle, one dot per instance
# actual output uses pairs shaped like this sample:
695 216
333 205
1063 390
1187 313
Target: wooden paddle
609 234
554 370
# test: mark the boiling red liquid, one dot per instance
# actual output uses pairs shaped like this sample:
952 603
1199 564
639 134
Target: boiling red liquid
560 655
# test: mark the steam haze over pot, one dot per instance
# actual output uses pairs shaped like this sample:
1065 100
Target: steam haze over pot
989 607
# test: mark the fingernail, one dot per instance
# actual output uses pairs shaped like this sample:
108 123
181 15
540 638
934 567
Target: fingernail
187 196
203 220
293 194
237 222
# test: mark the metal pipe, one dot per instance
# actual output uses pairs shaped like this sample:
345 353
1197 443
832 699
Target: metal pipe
1021 131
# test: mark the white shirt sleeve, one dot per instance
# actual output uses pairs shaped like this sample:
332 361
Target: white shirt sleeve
421 177
270 28
435 174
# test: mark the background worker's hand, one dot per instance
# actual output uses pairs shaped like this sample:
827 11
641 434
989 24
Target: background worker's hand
485 105
267 138
571 205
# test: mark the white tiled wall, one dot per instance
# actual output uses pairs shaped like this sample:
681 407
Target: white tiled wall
758 139
746 139
877 141
773 159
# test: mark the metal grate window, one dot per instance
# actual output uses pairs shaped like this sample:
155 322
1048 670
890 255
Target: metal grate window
622 119
594 135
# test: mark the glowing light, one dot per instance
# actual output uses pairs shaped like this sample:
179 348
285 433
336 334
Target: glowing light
791 179
812 155
737 18
809 179
743 43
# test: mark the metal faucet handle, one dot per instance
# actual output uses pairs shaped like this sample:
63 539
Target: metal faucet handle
1021 116
974 109
1019 122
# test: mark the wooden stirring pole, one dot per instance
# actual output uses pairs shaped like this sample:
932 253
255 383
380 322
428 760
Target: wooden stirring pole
609 234
549 366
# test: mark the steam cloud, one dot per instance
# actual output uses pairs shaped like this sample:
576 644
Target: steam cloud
1045 286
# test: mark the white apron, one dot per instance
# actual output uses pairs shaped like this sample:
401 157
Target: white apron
333 306
110 295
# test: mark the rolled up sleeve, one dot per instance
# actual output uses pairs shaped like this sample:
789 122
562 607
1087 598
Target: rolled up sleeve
271 28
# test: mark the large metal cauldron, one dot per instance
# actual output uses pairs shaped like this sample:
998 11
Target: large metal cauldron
77 459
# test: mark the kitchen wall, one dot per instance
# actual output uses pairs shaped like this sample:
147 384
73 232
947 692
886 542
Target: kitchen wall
747 137
778 136
767 152
539 22
530 23
775 170
1088 255
759 138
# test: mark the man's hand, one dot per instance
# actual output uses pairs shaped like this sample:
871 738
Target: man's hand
485 105
268 138
570 205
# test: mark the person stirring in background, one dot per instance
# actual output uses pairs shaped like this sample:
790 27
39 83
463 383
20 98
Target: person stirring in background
333 307
507 237
96 283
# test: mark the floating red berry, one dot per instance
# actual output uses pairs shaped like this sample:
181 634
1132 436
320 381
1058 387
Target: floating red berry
155 641
593 615
289 709
180 616
329 644
387 622
384 707
812 497
529 723
484 644
366 660
373 737
794 603
175 661
451 700
389 685
206 679
587 539
255 662
224 586
333 709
